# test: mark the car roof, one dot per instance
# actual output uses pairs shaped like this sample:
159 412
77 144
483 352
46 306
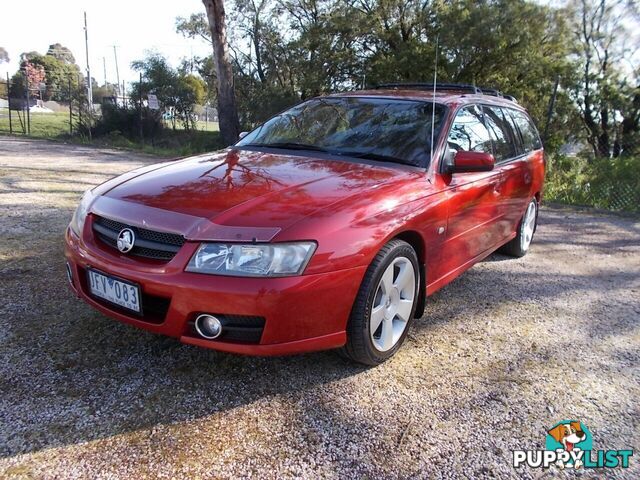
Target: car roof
451 98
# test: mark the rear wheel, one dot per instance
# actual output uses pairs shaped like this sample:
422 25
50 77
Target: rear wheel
384 306
519 246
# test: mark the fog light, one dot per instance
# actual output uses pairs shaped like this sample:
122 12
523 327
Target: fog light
69 274
208 326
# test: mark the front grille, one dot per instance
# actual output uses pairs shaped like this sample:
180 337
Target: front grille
149 243
235 328
154 308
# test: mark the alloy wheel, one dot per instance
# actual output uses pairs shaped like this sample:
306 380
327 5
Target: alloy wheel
392 304
528 226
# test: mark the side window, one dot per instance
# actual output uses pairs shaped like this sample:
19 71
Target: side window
530 137
468 132
501 133
517 138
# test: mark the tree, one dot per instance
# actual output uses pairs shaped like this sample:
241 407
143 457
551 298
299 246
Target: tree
196 26
59 72
607 94
197 86
4 55
35 75
177 90
61 53
104 91
283 51
227 111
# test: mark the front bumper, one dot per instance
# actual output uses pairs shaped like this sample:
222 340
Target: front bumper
301 314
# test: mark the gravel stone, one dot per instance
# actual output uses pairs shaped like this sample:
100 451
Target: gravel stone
502 353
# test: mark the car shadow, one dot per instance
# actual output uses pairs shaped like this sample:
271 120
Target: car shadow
70 375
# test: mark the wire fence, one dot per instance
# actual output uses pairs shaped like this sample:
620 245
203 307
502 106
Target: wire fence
41 110
620 197
605 183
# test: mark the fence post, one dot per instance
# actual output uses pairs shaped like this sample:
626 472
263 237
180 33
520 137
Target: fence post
140 99
70 110
9 101
26 79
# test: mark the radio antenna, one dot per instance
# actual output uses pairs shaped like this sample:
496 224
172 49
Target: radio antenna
433 105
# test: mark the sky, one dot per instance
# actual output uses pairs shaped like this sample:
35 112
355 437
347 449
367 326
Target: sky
134 26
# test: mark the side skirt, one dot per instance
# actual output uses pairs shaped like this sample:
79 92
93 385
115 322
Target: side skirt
453 274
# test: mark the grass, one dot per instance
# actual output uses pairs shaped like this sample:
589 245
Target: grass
171 143
43 125
201 125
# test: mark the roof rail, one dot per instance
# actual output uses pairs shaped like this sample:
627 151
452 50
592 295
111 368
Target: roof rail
456 87
449 87
491 91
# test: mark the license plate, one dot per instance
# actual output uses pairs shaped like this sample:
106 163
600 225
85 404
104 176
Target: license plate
124 294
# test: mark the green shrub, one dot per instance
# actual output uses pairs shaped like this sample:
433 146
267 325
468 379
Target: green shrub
612 184
126 121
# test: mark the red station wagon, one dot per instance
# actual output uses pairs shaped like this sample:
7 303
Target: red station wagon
325 227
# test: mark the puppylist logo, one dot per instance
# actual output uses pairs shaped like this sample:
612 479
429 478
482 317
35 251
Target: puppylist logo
568 444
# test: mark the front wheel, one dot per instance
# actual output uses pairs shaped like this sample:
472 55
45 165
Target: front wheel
384 306
519 246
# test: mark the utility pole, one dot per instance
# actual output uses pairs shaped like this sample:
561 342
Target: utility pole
104 69
9 100
115 57
86 46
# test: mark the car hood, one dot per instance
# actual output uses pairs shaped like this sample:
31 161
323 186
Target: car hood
240 194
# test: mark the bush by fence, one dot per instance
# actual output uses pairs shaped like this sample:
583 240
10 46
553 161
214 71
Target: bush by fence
607 183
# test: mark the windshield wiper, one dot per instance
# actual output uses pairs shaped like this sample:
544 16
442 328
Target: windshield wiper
375 156
289 146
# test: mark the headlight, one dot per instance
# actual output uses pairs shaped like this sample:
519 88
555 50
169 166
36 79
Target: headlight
80 215
252 260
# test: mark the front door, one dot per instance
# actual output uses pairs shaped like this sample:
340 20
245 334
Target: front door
473 198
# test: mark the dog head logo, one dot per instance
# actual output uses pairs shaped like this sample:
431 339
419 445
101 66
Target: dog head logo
568 435
569 444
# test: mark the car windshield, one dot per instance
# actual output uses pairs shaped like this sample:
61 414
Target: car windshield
392 130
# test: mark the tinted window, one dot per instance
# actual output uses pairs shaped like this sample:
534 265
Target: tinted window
394 130
468 132
503 136
530 137
517 138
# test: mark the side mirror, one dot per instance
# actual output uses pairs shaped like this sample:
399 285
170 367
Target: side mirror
242 135
464 161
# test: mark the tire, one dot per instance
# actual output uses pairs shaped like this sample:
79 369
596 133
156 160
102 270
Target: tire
390 297
519 246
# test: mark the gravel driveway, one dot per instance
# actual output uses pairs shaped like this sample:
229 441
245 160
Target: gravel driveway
502 354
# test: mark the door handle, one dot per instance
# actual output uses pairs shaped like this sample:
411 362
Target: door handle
497 186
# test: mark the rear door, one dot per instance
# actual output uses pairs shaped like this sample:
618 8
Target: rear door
512 163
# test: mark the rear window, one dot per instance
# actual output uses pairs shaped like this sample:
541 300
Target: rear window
504 138
530 137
